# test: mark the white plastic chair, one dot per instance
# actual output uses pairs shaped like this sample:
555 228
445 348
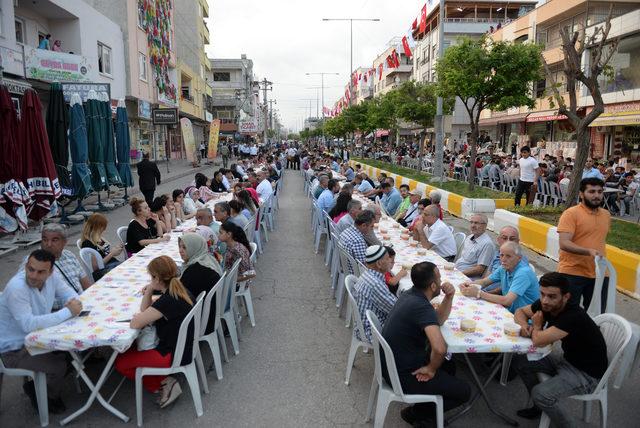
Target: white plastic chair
40 384
257 237
122 235
595 307
389 393
189 370
350 282
328 245
79 243
230 315
86 257
617 333
243 292
459 237
320 228
211 339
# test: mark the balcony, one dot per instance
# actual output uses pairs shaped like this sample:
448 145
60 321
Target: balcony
404 68
52 66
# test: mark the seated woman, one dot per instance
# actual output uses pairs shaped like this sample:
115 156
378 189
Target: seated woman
249 204
238 248
178 202
166 213
145 227
202 183
217 186
92 238
200 271
236 213
192 202
340 207
166 314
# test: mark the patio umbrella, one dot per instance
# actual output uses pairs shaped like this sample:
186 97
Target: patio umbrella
94 143
57 126
80 175
123 144
113 178
39 170
13 193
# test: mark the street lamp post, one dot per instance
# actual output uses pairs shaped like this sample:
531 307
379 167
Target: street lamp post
322 74
351 41
439 125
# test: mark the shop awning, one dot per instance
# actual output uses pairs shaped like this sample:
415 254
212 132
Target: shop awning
382 133
513 118
545 116
490 121
622 119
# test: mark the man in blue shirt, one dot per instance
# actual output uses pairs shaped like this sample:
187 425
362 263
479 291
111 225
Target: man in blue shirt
25 306
361 185
326 200
391 199
518 283
507 233
589 170
348 173
335 166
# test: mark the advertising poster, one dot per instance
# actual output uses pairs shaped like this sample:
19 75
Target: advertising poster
214 134
188 139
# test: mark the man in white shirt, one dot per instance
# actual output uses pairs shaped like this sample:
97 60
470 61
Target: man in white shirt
434 234
253 151
529 171
264 188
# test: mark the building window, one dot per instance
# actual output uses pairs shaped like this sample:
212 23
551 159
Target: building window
104 59
540 88
20 31
142 66
202 71
221 77
141 16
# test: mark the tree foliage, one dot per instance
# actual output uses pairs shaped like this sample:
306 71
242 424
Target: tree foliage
488 75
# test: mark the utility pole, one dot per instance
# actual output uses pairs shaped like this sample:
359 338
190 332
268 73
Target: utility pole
439 125
265 86
350 43
322 91
271 103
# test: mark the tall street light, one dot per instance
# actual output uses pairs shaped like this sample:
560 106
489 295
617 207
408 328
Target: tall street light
322 74
351 40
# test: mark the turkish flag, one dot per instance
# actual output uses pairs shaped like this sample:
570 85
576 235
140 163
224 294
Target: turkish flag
423 19
390 62
396 58
415 24
380 71
407 49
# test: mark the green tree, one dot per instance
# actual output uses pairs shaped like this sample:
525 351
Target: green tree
488 75
305 134
293 136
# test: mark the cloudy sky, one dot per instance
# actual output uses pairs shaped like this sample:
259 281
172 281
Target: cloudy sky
287 38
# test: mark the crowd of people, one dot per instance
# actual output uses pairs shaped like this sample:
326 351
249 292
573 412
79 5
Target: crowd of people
45 290
549 309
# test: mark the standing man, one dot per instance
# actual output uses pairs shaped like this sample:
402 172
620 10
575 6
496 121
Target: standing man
583 231
148 177
203 151
529 171
224 152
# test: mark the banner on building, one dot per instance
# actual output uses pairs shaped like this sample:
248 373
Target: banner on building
214 134
52 66
248 126
188 139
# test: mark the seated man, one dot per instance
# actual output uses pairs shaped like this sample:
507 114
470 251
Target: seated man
352 239
507 234
353 209
405 204
412 212
477 250
371 194
25 306
326 200
434 234
391 198
323 183
348 172
361 185
371 291
371 237
518 283
584 361
54 239
412 330
204 217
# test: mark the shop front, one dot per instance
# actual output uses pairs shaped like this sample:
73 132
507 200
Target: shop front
616 132
145 136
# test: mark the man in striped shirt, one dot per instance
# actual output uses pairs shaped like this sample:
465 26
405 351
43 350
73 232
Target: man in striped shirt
352 238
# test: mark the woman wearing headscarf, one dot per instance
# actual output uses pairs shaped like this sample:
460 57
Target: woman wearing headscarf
200 271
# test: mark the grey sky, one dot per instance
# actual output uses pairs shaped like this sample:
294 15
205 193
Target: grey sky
287 38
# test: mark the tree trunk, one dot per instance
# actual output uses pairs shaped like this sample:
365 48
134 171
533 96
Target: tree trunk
421 149
582 153
472 154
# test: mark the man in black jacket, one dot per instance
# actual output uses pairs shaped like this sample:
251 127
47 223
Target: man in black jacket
149 176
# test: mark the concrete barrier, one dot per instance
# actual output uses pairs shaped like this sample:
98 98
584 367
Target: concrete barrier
543 238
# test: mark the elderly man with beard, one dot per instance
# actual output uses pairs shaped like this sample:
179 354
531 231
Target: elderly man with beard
584 361
583 230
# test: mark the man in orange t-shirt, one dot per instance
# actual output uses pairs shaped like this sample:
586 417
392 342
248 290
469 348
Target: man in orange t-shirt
583 232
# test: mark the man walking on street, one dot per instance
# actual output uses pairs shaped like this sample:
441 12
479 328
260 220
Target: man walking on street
149 176
224 152
529 171
203 151
583 230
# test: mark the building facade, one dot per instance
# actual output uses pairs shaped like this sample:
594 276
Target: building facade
391 77
617 131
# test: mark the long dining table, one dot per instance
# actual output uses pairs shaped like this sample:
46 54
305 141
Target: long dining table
490 318
111 302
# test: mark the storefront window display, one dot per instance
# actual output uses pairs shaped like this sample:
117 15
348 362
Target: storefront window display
631 144
539 131
563 131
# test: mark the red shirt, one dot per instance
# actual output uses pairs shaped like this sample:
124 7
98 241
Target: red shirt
254 195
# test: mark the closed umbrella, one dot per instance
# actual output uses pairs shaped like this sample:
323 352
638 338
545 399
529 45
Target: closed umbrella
113 178
94 143
39 170
57 126
123 145
80 175
13 193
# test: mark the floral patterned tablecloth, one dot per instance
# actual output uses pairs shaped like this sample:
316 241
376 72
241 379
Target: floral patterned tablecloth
112 302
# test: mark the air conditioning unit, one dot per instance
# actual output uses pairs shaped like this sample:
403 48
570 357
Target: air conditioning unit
602 129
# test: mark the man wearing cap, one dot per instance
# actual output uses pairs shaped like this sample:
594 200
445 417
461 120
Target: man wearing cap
371 291
352 239
406 217
434 234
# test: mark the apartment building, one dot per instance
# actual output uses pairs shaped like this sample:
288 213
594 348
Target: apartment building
392 77
617 130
